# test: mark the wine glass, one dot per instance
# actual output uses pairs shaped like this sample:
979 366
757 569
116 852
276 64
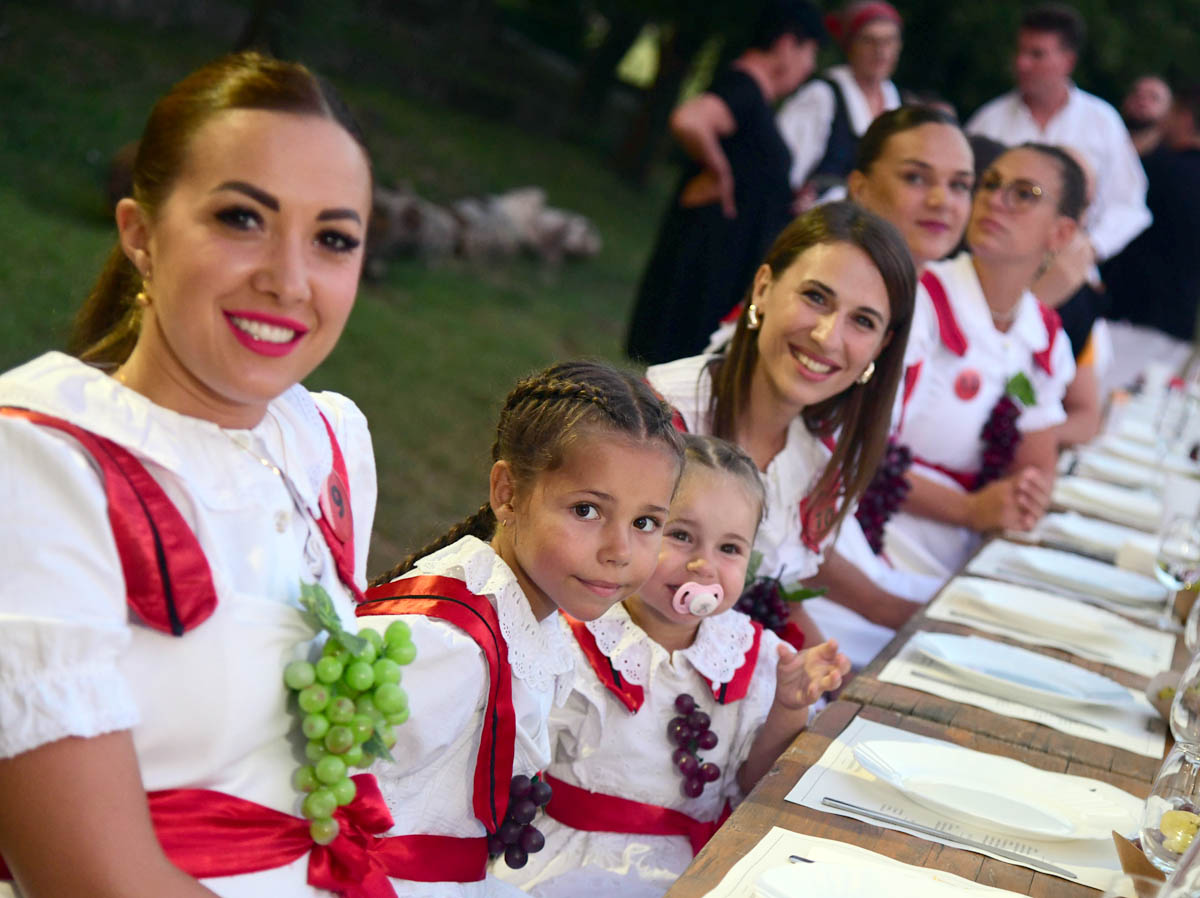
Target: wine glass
1185 709
1177 565
1191 629
1172 424
1171 815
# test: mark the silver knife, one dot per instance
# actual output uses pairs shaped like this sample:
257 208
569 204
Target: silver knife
958 840
973 688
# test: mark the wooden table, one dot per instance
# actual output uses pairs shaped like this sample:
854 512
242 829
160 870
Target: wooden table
866 689
930 715
766 807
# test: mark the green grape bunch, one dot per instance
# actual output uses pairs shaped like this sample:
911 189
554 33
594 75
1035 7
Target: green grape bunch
348 703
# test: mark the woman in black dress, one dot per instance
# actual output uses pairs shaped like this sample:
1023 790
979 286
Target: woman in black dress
734 196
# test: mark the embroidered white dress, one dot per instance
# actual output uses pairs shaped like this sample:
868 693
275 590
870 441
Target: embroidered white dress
429 787
601 746
964 389
789 476
208 710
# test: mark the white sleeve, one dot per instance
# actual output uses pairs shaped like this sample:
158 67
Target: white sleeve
1119 212
354 437
984 122
1048 409
63 617
804 121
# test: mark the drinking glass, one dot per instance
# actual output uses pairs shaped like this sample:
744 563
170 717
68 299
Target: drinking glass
1177 565
1172 812
1185 709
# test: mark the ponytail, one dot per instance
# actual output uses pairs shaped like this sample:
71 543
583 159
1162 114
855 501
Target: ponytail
481 525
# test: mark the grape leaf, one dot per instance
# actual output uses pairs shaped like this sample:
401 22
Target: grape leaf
374 746
800 593
323 616
1020 389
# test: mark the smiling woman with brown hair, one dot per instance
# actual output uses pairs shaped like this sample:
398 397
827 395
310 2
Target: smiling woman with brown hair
806 388
166 497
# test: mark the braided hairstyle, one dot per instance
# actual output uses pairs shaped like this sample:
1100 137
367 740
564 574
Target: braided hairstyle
547 413
717 454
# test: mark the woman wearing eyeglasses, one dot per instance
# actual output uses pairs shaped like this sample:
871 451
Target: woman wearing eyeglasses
989 368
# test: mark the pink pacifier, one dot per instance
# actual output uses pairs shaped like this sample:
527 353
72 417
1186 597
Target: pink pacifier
697 599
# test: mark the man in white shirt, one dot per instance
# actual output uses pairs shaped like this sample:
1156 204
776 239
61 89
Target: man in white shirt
1047 107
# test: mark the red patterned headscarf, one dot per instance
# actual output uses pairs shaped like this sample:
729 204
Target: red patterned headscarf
846 24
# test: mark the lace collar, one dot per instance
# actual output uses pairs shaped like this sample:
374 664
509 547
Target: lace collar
717 653
538 652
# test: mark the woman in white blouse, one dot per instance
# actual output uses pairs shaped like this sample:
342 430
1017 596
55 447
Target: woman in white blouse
984 327
166 494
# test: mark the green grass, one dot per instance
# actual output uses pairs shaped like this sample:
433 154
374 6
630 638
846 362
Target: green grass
429 352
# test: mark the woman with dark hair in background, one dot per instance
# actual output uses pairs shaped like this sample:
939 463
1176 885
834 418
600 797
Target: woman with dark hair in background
987 328
806 388
913 169
167 492
733 197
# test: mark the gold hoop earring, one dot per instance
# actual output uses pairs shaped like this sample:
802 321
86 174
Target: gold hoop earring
753 322
142 298
866 375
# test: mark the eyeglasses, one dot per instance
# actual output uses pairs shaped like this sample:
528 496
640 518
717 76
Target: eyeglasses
1018 195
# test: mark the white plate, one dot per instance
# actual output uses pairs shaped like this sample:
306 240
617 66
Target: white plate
1000 794
1141 509
1019 673
1085 575
828 879
1051 616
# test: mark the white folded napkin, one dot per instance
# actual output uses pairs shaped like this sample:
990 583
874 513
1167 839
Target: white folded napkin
1138 554
1084 575
1135 507
1091 535
1114 469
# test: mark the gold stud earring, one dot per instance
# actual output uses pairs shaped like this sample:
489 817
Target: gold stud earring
753 322
866 375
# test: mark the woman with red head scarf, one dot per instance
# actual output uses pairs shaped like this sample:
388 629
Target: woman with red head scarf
823 121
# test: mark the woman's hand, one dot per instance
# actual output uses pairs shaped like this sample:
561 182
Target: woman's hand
1016 502
803 677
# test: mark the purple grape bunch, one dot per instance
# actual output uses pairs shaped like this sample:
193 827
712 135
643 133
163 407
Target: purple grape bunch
517 837
689 731
1000 438
885 493
763 601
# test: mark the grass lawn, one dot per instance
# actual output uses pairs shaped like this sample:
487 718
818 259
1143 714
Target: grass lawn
429 352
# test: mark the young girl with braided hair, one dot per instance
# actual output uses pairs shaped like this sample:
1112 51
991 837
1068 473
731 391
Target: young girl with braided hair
634 797
584 467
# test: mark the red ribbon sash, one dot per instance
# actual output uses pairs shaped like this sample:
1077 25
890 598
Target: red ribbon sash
596 812
341 549
441 858
168 583
210 834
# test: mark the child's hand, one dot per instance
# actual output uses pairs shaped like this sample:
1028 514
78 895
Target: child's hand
803 677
